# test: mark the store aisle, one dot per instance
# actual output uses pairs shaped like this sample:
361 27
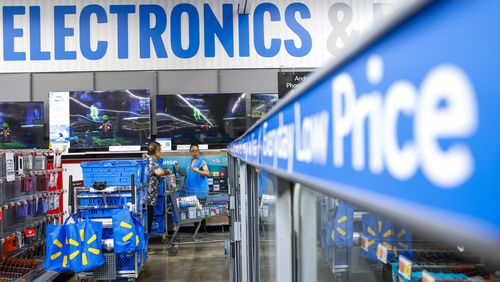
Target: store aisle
201 262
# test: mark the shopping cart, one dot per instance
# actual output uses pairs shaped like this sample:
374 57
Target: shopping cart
174 193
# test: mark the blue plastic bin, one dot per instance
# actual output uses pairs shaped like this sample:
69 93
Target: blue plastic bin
125 262
158 226
160 206
113 173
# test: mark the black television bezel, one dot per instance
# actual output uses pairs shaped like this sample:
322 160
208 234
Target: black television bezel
45 127
106 149
250 103
210 145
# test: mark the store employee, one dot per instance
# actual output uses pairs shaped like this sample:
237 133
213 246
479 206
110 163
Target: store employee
196 174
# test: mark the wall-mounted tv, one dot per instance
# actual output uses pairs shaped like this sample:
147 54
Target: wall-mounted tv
261 103
213 119
97 120
22 125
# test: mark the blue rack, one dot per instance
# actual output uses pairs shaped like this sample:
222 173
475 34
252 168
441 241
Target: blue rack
122 180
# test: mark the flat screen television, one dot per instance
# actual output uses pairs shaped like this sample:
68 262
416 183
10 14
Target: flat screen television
97 120
261 103
213 119
22 125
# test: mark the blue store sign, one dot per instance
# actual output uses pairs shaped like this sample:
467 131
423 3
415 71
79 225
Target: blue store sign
408 126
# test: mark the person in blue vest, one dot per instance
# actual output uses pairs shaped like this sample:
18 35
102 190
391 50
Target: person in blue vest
196 174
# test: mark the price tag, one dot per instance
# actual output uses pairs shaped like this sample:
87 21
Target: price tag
166 144
382 253
57 160
427 277
405 267
183 147
364 242
10 169
20 164
124 148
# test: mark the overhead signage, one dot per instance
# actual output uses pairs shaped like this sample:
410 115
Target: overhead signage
58 35
288 81
412 120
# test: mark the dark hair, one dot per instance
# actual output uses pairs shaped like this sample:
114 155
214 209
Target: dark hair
153 147
193 145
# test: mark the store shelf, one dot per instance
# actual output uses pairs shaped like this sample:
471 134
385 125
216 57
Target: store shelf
22 199
19 177
26 225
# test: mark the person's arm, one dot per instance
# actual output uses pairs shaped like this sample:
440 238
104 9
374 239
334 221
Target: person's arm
162 172
203 171
178 167
159 172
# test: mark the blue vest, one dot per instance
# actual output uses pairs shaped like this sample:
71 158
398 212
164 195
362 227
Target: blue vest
196 184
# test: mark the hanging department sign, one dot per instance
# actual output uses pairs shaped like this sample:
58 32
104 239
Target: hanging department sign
45 36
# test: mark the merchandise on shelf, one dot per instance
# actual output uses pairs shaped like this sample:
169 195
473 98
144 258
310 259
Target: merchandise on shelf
29 200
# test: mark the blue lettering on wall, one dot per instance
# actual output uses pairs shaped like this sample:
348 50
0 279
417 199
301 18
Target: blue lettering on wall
122 12
224 32
85 44
10 33
36 53
301 32
150 34
194 31
148 24
258 26
61 32
243 35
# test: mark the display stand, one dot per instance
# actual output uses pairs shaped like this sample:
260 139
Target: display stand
30 199
98 205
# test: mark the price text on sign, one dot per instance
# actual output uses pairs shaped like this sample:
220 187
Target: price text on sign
10 169
405 267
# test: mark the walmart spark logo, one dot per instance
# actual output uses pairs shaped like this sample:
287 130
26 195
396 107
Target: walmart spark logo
89 250
59 253
392 244
339 229
129 235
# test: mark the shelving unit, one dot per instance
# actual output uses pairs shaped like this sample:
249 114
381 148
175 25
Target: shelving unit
29 200
98 204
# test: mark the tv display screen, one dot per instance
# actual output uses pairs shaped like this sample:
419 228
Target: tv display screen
100 119
22 125
261 103
214 119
